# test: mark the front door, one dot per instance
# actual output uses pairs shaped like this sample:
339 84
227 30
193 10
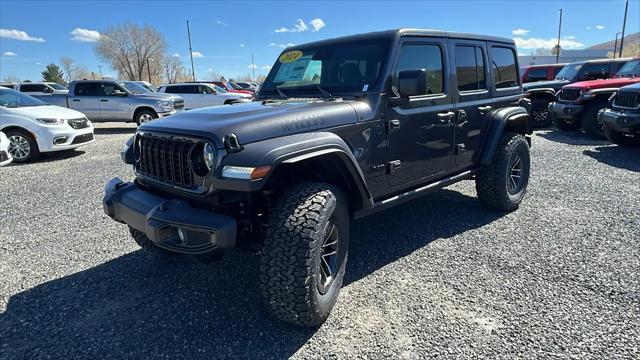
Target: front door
112 106
420 132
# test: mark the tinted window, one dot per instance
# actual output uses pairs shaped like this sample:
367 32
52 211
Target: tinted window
205 90
89 89
617 66
595 71
538 74
556 70
469 68
428 57
32 88
109 89
505 72
172 90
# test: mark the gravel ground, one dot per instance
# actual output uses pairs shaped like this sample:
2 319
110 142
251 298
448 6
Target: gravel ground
436 277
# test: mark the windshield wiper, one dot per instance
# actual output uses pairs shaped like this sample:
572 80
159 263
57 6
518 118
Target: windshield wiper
324 92
281 93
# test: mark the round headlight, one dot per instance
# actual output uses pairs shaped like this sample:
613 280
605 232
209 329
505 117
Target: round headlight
209 156
203 158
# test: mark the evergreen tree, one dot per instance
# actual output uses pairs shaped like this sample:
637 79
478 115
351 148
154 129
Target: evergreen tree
53 73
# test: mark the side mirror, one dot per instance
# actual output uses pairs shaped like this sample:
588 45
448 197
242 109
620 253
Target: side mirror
119 93
412 83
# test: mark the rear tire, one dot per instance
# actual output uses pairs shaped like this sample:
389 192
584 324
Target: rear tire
144 116
540 115
622 139
502 184
590 123
22 146
305 253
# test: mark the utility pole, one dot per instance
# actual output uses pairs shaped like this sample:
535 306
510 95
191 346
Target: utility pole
558 45
615 45
253 68
149 70
100 68
624 24
193 71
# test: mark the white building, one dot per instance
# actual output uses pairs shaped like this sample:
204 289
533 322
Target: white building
566 56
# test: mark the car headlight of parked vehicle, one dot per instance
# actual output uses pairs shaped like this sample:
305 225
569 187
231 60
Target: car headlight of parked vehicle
204 158
165 104
50 121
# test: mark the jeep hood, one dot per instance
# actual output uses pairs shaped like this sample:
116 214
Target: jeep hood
256 121
604 83
556 84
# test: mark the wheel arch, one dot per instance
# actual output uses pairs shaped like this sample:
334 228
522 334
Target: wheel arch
513 119
547 94
142 108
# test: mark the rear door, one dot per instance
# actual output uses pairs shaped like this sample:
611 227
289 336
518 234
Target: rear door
86 99
421 137
472 96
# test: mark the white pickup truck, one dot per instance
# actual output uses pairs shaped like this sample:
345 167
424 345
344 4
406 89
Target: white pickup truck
41 88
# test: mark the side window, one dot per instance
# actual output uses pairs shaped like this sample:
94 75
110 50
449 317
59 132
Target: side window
205 90
171 89
469 68
595 71
428 57
616 66
503 63
556 70
88 89
32 88
109 88
538 74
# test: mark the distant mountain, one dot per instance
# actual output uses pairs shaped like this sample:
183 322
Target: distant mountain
628 39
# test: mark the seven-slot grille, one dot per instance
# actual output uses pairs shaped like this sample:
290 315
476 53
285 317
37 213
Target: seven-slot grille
178 104
166 160
79 123
627 99
570 94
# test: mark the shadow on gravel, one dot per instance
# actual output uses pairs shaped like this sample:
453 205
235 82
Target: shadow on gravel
137 307
570 137
617 156
114 130
52 156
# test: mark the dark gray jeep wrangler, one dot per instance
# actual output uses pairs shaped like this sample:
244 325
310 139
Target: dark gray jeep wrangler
341 128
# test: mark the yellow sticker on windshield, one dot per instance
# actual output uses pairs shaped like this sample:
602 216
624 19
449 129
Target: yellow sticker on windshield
290 56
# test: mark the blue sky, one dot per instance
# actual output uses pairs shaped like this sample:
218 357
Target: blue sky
227 33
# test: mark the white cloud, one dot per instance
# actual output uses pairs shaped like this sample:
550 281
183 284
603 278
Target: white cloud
599 27
18 35
266 67
197 54
38 63
299 26
253 66
85 35
176 55
9 53
221 23
535 43
242 45
283 46
317 24
519 31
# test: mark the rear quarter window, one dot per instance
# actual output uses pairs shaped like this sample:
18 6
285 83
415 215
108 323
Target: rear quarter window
504 69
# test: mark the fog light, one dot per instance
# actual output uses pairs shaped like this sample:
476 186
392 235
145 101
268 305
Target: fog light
60 140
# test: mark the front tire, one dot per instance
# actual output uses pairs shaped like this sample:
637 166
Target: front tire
540 115
502 184
22 146
622 139
144 116
590 123
305 253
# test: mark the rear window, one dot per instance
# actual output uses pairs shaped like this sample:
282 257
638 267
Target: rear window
503 63
469 68
32 88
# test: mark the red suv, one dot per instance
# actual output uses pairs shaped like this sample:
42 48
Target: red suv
227 86
577 105
535 73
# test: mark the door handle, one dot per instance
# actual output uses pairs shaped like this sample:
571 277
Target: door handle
393 125
446 116
103 100
76 99
484 109
462 115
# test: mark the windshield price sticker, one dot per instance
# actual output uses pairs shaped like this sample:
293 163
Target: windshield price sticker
290 56
293 71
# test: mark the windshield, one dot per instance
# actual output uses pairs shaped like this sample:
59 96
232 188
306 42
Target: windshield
57 86
342 67
218 88
134 88
630 69
15 99
147 86
569 72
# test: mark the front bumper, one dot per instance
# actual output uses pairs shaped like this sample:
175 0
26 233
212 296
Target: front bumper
163 113
565 110
171 224
619 121
56 138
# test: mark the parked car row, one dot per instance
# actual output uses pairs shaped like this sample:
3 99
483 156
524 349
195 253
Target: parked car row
621 118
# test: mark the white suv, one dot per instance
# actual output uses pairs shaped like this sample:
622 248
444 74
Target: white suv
33 126
197 95
41 88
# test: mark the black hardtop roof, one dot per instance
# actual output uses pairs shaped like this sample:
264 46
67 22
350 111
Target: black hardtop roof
407 32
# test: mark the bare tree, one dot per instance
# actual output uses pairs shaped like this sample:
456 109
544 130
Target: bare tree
173 69
11 79
68 66
134 52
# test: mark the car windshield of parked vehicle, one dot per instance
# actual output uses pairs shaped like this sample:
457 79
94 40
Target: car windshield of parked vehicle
219 89
15 99
134 88
328 69
57 86
569 72
630 69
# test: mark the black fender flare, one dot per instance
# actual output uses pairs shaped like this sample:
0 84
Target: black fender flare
533 93
292 149
514 118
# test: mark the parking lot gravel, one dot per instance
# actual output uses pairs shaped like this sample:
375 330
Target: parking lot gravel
436 277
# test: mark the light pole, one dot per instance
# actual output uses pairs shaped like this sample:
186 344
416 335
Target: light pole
615 45
253 68
558 45
624 24
193 71
100 68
